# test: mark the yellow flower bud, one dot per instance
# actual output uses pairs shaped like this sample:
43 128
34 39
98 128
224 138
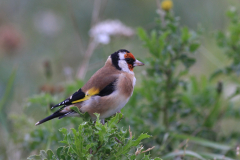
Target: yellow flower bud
166 5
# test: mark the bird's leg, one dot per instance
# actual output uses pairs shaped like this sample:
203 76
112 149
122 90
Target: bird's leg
103 121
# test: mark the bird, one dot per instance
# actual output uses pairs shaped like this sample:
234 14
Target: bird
106 92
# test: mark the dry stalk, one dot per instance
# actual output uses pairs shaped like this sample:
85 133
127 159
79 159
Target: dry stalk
130 133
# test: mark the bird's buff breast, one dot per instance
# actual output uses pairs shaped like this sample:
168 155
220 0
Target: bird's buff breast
115 105
107 106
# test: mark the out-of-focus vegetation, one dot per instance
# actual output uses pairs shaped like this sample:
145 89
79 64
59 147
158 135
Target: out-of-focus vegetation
186 97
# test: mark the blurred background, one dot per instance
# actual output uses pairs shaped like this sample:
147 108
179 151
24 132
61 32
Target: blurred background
45 45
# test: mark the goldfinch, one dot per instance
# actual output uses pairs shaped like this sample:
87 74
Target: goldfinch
106 92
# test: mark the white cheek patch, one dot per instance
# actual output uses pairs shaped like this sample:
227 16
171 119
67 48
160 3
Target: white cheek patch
123 65
121 56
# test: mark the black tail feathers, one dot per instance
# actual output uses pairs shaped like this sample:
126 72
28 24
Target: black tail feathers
54 115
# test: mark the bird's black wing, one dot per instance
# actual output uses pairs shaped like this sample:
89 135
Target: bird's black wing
76 96
80 96
108 89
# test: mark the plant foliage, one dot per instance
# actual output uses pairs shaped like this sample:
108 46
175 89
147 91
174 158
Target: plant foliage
95 140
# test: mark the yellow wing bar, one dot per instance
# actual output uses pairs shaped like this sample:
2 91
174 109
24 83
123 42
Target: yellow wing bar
89 93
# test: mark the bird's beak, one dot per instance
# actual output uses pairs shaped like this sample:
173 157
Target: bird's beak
138 63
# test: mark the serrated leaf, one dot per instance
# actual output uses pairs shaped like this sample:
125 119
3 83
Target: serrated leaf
50 155
114 120
63 131
59 151
76 110
131 143
43 154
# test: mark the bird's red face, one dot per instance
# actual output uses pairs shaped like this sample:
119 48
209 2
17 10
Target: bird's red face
125 60
131 61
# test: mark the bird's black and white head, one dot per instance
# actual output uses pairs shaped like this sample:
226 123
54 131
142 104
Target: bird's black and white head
124 60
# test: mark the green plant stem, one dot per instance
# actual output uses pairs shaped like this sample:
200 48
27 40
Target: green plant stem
49 126
3 100
211 118
167 97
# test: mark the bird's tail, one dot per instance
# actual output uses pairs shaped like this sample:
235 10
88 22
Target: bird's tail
54 115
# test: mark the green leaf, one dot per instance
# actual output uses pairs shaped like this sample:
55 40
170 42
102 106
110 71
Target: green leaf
131 143
3 100
85 116
185 34
193 47
162 42
183 153
64 132
211 118
187 61
8 89
50 155
142 34
115 120
76 109
59 151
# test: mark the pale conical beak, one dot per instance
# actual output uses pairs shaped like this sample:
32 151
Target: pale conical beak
138 63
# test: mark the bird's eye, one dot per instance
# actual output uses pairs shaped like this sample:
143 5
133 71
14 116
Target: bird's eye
129 60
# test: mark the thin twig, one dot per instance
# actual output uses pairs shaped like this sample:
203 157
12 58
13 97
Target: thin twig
130 133
118 140
149 149
185 147
139 150
84 65
98 149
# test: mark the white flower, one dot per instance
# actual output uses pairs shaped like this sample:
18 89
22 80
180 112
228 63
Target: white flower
102 31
